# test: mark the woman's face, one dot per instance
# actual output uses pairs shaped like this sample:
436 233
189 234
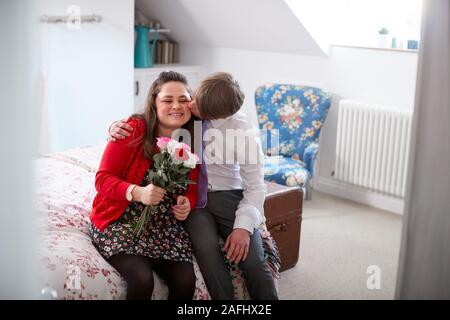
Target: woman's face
172 105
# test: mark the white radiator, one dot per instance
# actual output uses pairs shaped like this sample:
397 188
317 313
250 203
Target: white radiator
373 146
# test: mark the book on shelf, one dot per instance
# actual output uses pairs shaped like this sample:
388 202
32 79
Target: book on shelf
171 52
153 52
166 52
159 51
176 56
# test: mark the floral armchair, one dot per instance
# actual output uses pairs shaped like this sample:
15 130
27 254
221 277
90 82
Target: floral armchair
290 118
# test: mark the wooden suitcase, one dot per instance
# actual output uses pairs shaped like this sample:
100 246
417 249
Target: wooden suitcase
283 211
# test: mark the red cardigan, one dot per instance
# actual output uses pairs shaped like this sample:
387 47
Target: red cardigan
122 165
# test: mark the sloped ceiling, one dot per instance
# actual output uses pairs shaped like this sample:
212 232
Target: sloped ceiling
263 25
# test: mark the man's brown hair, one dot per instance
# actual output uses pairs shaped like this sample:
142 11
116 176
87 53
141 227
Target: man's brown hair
219 96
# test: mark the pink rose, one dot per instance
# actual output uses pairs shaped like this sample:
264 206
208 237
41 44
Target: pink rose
185 147
162 142
181 154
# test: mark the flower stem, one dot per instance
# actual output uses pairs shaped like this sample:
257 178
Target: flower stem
143 220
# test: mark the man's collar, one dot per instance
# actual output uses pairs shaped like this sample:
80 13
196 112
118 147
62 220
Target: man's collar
219 122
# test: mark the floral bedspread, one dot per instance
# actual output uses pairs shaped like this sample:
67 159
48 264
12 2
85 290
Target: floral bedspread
72 267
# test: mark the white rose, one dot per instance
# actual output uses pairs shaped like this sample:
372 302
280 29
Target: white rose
191 162
171 146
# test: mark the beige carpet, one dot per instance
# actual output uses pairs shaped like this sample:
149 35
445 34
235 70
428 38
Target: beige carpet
339 240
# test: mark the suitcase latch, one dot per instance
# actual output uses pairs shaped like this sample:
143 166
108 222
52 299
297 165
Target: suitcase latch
280 227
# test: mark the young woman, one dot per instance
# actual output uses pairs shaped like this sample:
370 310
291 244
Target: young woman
124 190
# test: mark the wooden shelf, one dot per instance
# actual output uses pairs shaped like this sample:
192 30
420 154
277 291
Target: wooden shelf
157 68
159 30
376 48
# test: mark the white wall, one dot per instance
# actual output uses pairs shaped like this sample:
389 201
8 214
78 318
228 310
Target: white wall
88 73
18 275
378 76
267 25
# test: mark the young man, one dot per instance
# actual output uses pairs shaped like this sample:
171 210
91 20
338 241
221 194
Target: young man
232 205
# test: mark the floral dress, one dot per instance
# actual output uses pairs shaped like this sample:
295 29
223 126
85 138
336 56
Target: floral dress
163 238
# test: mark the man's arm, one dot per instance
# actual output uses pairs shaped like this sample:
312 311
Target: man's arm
250 212
119 130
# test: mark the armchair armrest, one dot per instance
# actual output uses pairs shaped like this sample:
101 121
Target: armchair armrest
310 155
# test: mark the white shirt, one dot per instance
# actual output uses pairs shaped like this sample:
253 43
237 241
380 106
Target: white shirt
234 160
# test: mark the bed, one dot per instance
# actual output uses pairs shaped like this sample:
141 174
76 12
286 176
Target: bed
71 267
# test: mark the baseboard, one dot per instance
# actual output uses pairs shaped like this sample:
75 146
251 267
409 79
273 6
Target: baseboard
361 195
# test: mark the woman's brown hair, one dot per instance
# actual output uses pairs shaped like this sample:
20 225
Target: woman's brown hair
149 114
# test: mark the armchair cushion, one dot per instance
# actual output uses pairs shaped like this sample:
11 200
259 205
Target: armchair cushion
286 171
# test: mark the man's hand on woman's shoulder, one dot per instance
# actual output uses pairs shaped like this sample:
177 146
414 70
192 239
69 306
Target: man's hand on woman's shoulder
119 130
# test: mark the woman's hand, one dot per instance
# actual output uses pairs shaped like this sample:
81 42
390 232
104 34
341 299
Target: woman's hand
149 195
182 208
119 130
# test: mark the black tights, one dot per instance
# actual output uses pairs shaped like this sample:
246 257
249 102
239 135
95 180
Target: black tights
138 273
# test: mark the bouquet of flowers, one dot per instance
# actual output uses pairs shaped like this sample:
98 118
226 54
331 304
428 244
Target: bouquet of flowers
171 167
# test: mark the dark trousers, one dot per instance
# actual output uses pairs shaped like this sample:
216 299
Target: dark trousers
217 219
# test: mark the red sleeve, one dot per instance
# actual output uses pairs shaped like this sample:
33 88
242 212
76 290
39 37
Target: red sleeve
113 166
191 192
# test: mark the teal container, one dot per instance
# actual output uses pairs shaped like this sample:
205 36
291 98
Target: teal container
142 50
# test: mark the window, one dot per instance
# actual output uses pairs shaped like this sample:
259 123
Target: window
357 22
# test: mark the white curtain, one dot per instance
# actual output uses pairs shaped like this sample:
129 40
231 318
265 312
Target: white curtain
424 266
42 87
